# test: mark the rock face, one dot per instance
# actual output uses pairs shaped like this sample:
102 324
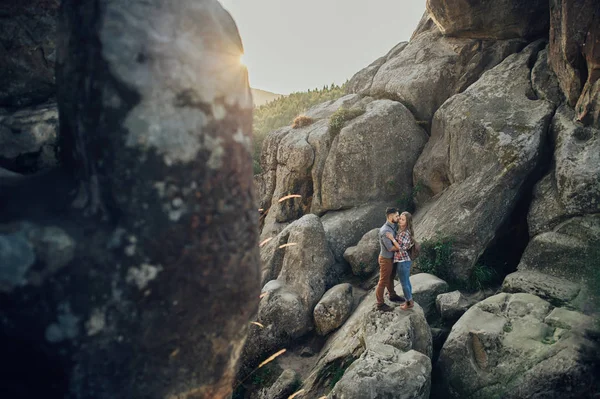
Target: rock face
333 309
545 211
363 257
426 288
502 19
152 298
345 228
27 53
299 267
575 55
577 155
339 170
569 251
555 290
478 177
383 371
372 157
432 68
282 388
368 329
28 138
454 304
512 345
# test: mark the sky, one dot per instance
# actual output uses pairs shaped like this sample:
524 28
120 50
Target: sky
293 45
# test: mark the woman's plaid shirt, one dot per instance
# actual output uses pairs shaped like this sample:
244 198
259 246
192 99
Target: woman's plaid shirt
405 243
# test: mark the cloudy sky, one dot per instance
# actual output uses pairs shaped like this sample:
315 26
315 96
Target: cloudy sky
293 45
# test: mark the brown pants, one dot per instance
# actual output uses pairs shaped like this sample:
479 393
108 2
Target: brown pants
387 274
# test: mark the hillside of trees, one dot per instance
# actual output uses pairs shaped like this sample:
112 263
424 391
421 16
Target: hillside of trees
282 111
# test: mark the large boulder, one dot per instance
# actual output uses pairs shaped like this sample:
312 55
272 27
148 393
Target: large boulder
363 257
28 51
367 329
546 210
299 258
345 228
485 143
557 291
383 371
575 54
333 309
151 297
28 138
362 80
500 19
570 252
432 68
300 250
372 157
292 161
452 305
426 288
577 156
512 345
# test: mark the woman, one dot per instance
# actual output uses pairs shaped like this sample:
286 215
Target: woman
403 242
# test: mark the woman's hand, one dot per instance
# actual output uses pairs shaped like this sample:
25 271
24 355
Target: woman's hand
390 236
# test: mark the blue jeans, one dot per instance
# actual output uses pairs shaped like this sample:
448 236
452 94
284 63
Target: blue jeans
404 274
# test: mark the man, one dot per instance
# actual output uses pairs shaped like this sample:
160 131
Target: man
387 273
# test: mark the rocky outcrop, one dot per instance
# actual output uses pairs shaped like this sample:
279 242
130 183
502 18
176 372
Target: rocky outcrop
286 384
570 251
503 19
575 55
363 256
152 296
545 211
367 329
318 163
345 228
27 51
454 304
28 138
371 159
432 68
479 176
512 345
299 265
384 371
555 290
300 247
577 156
333 309
426 287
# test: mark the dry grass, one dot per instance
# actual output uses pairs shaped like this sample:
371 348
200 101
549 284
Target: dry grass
287 197
272 357
302 121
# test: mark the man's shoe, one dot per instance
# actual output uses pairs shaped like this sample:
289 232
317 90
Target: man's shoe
384 308
397 298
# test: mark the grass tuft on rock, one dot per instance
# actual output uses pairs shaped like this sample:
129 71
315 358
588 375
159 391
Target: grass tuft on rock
339 118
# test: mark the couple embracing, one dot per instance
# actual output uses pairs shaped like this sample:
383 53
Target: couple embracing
396 240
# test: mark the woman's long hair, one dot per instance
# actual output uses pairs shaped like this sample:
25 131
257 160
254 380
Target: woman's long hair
409 223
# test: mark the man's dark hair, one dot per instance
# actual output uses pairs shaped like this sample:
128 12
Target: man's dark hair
389 211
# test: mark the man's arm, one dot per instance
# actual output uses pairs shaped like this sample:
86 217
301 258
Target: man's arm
389 243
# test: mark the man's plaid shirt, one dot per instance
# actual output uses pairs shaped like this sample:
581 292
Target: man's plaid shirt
405 243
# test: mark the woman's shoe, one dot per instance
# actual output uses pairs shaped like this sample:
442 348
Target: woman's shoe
407 305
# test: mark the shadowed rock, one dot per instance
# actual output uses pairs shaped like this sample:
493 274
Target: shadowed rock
152 297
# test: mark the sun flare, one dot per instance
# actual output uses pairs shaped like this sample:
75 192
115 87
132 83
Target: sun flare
242 61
